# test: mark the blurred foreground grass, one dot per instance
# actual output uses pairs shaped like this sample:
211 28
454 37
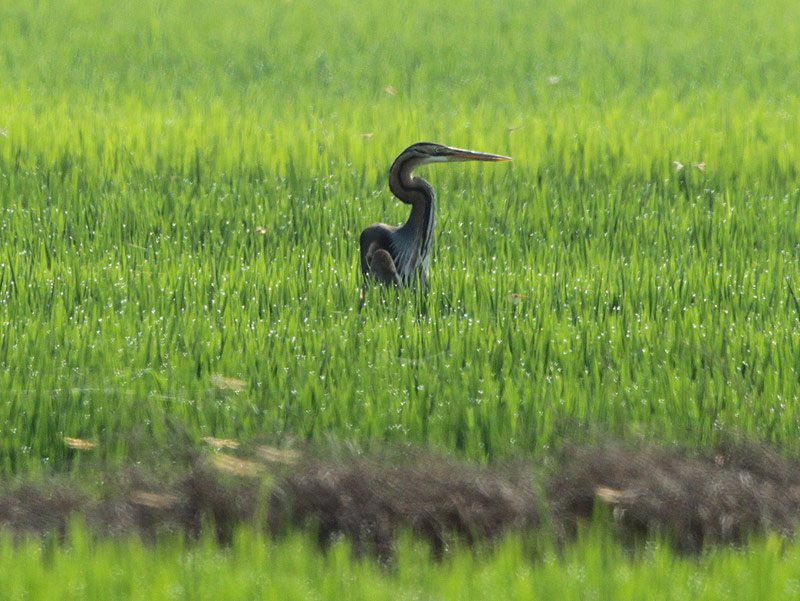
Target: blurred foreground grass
254 569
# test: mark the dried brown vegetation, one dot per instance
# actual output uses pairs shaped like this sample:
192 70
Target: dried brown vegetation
135 503
722 497
436 498
693 499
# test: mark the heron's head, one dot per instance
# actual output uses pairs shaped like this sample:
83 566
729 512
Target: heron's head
427 152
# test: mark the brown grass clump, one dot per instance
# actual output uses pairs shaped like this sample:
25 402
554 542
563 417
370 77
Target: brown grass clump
133 502
723 497
39 509
368 501
202 496
692 499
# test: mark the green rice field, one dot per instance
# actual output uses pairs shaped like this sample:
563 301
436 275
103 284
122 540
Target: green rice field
182 186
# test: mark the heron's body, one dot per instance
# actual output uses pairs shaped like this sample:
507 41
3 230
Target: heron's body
400 256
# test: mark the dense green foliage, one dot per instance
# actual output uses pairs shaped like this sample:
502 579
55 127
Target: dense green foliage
145 145
182 185
594 569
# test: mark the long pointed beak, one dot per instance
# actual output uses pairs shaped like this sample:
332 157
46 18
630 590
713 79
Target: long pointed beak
457 154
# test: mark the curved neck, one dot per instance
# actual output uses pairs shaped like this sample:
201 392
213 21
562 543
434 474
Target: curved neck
408 188
413 190
416 234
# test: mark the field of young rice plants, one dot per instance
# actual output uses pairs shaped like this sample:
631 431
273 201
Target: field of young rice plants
182 186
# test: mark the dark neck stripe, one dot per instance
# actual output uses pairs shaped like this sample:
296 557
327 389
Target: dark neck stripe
420 195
